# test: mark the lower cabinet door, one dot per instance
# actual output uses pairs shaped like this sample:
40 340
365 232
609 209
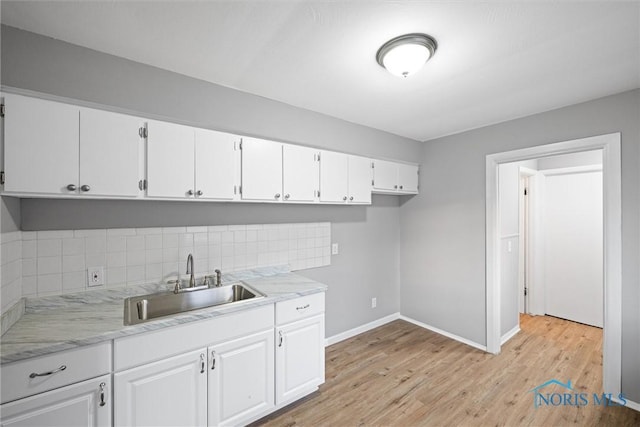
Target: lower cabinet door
170 392
241 377
83 404
299 358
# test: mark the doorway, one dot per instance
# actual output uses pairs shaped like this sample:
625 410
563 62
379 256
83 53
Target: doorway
612 238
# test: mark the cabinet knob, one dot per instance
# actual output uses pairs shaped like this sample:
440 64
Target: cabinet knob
286 196
395 186
71 187
401 187
277 195
351 198
344 198
199 192
85 188
190 192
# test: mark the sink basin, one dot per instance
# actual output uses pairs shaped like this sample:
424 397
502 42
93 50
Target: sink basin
148 307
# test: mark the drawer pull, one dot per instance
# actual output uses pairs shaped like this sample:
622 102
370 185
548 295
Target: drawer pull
304 307
44 374
102 400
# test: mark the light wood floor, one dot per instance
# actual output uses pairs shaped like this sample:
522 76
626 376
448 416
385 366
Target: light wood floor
403 375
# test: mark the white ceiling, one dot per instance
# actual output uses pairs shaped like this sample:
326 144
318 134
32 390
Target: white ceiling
495 61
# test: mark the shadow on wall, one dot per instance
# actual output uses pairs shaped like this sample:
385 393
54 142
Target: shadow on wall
55 214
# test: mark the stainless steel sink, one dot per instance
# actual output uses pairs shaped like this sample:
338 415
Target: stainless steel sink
148 307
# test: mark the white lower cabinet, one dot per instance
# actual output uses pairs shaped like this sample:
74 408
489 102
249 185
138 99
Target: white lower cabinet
299 347
169 392
241 379
299 358
87 403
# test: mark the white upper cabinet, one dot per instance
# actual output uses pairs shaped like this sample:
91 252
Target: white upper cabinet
40 146
300 173
111 154
390 177
344 178
359 180
408 176
170 160
261 170
216 165
334 173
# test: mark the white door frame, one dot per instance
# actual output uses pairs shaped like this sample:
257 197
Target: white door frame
612 204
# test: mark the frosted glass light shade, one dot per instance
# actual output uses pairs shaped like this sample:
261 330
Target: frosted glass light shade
404 55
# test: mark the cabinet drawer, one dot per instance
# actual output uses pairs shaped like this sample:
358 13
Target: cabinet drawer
80 364
299 308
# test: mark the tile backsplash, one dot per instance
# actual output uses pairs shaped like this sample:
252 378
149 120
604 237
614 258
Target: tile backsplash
56 262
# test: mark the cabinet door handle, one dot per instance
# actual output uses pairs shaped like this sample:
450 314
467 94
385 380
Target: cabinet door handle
213 360
202 363
395 187
401 187
351 198
190 192
44 374
277 196
71 187
85 188
281 338
286 196
344 198
102 396
199 192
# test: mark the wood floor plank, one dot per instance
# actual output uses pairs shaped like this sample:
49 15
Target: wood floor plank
403 375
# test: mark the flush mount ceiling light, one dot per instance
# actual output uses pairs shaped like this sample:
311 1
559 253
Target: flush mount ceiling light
404 55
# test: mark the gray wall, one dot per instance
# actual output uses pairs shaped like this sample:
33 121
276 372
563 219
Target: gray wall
9 214
368 236
443 230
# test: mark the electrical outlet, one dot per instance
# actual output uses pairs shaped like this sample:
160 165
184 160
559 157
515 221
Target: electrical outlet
335 250
374 302
95 276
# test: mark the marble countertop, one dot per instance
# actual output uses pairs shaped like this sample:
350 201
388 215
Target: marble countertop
69 321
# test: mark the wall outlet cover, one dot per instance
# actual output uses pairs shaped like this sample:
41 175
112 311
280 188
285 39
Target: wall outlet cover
335 249
95 276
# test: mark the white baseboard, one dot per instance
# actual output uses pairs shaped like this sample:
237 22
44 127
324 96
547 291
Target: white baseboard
360 329
446 334
506 337
631 404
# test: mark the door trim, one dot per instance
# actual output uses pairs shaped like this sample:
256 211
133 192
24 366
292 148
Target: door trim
612 204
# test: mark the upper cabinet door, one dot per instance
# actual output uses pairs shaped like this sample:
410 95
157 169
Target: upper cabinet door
359 180
408 178
170 160
301 175
261 170
385 175
41 146
334 177
110 154
216 160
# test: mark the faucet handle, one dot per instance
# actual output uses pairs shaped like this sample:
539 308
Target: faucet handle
206 282
177 283
218 277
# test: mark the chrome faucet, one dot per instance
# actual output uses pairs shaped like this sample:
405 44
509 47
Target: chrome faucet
192 279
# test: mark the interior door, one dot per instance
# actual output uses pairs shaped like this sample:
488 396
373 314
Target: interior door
573 247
